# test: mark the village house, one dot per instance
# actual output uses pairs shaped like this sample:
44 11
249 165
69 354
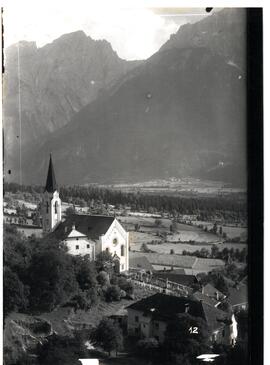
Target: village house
238 297
150 316
83 234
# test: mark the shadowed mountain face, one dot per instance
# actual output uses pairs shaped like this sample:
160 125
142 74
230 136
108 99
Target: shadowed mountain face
182 112
51 84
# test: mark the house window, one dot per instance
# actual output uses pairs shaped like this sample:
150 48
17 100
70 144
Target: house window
136 319
88 246
77 247
122 250
223 333
122 267
107 250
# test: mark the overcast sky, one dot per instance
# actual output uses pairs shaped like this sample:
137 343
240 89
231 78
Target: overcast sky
134 33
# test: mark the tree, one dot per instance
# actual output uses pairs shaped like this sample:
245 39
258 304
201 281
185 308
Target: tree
148 347
126 285
52 279
113 293
242 323
173 227
103 278
61 350
214 251
186 334
70 211
144 248
103 259
108 335
85 272
17 251
214 229
15 293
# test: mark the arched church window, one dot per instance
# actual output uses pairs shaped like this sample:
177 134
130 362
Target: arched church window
122 250
55 207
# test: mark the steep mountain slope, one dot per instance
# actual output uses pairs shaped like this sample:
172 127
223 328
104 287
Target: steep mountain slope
224 33
52 83
182 112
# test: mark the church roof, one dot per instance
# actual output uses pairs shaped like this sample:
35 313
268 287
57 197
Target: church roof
51 185
92 226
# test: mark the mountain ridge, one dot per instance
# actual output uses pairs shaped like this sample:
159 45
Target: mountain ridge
179 113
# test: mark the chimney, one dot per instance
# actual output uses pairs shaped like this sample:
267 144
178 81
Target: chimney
73 227
186 307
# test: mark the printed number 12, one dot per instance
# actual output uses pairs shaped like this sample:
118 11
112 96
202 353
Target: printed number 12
193 330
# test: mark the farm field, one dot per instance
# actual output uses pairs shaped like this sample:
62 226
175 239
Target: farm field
181 238
231 231
178 186
178 248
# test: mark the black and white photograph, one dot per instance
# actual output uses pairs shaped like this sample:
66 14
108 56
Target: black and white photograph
127 142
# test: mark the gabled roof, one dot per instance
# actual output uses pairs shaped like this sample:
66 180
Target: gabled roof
182 279
201 263
51 185
92 226
211 291
167 260
166 307
204 298
140 263
214 317
238 295
180 261
75 233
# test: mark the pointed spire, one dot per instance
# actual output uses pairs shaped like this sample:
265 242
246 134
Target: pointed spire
51 185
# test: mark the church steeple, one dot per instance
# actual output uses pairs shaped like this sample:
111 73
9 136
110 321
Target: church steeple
51 185
51 202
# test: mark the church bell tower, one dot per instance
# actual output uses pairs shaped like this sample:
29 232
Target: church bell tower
51 202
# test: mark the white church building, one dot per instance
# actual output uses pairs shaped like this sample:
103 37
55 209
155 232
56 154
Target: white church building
83 234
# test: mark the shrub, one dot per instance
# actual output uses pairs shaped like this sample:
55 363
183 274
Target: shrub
113 293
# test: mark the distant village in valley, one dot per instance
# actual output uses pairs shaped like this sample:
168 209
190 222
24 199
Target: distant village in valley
129 283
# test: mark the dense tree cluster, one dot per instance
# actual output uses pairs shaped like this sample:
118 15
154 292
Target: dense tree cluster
230 208
108 335
39 276
225 254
